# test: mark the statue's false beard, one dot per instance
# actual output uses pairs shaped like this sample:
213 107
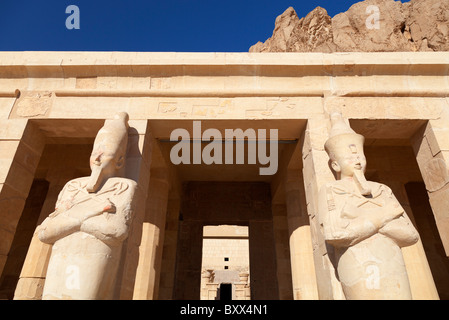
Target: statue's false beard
360 181
96 179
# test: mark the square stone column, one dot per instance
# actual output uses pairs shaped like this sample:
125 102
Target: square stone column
283 263
431 146
21 145
167 277
301 249
138 163
316 172
152 241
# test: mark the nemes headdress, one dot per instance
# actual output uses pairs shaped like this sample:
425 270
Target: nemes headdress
341 137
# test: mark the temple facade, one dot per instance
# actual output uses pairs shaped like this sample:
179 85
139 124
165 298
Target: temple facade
227 153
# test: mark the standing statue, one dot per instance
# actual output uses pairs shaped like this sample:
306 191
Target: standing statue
363 222
90 222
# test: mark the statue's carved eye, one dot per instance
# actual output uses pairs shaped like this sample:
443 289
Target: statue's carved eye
353 148
96 157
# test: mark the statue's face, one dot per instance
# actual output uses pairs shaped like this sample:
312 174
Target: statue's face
102 159
349 160
104 163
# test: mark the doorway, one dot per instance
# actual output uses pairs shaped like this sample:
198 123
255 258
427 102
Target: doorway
225 292
225 260
214 203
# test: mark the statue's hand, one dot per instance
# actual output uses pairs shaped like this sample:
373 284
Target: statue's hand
401 230
392 211
101 207
91 209
109 207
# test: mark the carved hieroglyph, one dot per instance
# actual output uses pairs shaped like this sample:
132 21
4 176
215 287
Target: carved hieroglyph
34 104
364 225
90 222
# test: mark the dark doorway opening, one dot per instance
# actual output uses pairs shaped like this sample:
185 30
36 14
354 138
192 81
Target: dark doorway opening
225 292
226 203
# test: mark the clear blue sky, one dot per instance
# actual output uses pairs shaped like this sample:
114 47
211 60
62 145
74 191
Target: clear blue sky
137 25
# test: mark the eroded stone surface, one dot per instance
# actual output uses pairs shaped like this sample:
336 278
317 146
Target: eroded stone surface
366 26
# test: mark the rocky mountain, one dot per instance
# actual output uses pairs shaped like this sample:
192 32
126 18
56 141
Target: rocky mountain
367 26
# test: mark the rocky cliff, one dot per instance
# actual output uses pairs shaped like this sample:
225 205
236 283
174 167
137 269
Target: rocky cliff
367 26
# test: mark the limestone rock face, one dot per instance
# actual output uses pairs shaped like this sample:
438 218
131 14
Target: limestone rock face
367 26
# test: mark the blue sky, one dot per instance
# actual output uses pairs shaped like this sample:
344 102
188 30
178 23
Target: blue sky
165 25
